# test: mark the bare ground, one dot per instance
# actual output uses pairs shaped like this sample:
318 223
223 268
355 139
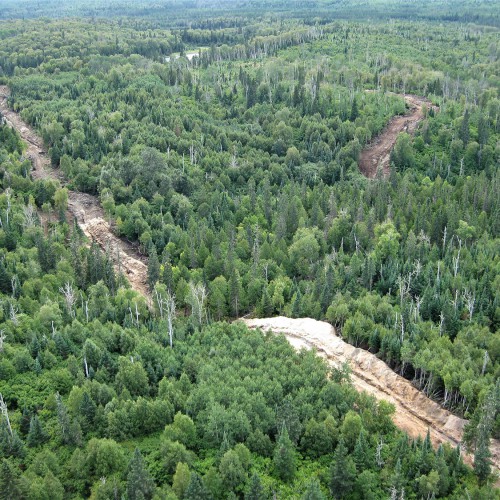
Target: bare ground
415 413
83 207
376 155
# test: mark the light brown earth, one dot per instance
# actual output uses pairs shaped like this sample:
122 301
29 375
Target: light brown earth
414 412
376 155
83 207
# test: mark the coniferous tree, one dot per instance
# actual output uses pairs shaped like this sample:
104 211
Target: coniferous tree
36 435
64 420
196 489
361 453
255 489
342 472
140 484
24 425
313 491
464 132
153 268
284 458
482 463
10 484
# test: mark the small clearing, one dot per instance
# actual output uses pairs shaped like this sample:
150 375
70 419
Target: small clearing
415 413
376 155
83 207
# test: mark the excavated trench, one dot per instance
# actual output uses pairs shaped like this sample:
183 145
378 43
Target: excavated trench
83 207
376 155
415 413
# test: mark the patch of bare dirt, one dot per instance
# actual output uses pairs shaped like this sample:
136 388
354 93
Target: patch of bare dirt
83 207
376 155
415 413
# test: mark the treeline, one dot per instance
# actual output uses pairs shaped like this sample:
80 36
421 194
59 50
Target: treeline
223 13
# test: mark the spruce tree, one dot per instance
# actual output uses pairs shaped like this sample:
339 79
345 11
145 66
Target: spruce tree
361 455
255 489
464 132
87 411
64 421
10 485
285 461
140 484
342 472
24 425
153 268
36 435
482 464
196 489
313 491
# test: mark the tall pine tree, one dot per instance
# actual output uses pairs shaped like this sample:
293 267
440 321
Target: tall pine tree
140 484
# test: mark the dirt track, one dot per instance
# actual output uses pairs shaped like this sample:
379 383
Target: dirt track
83 207
376 155
415 413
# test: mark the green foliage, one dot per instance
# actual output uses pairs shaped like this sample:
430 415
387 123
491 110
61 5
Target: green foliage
140 484
284 458
237 171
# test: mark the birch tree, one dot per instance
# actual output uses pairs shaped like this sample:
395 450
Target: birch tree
69 294
196 298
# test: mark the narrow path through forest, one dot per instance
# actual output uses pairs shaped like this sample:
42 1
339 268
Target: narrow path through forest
415 413
83 207
376 155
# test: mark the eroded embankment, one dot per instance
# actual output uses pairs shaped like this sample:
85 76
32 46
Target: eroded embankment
376 155
83 207
414 412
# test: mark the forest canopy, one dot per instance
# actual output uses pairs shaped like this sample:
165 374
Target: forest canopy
223 142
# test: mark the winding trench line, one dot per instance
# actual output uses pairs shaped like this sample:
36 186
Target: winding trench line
415 413
375 157
84 208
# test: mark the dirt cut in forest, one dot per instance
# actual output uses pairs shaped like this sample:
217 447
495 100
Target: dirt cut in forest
375 157
83 207
414 412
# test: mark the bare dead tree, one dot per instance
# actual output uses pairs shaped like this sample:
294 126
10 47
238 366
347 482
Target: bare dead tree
7 212
456 260
485 359
196 298
378 453
170 312
69 294
2 340
14 281
13 314
29 212
470 301
5 413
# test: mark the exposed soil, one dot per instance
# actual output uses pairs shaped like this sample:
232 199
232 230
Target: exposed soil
83 207
415 413
376 155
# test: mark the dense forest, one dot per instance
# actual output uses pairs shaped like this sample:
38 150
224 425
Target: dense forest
226 148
